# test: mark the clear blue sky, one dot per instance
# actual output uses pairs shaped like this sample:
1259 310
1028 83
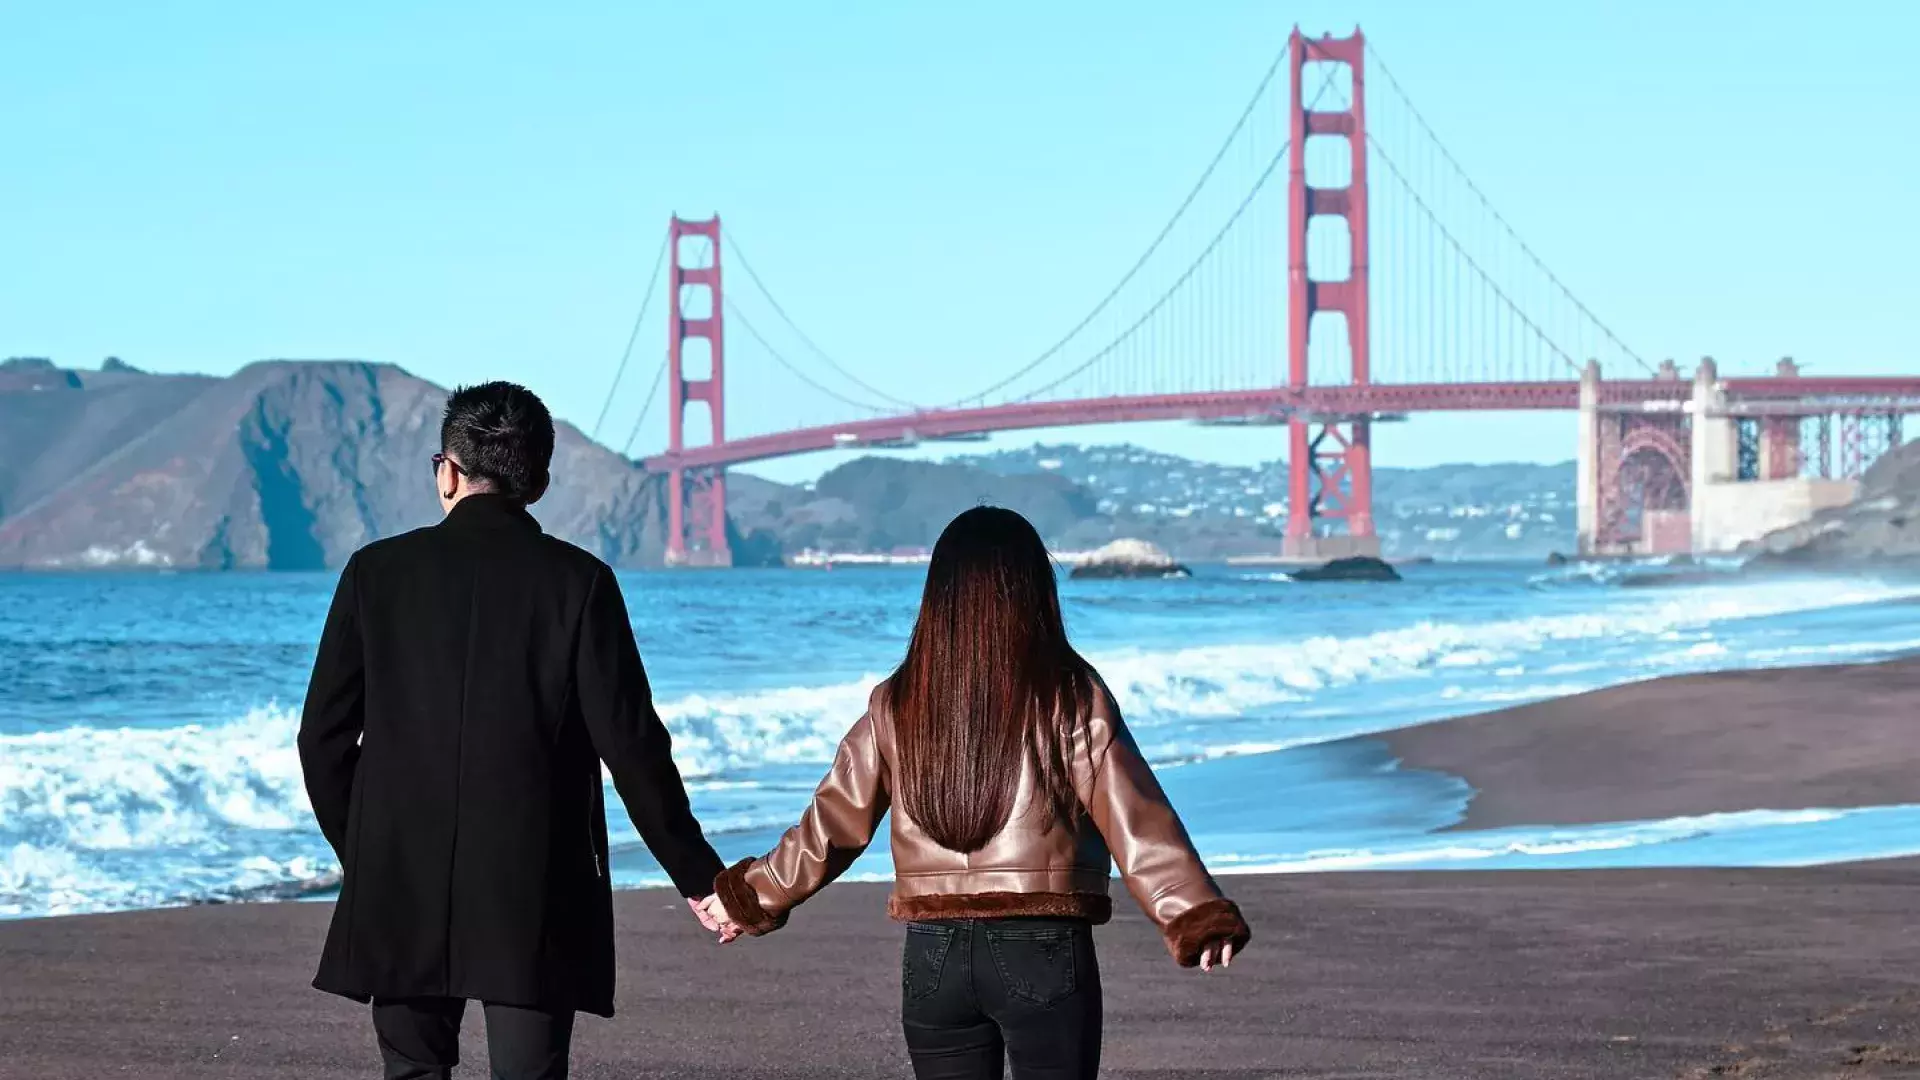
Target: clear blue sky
477 190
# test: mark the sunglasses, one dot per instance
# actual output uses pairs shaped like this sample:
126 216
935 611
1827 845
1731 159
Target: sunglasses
442 459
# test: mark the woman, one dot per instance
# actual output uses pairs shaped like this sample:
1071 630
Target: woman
1012 778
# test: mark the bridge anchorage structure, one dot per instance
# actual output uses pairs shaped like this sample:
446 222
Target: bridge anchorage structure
1702 465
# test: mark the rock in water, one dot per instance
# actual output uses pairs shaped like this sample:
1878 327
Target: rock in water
1130 559
1357 568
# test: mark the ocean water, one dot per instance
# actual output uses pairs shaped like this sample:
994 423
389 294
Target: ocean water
147 721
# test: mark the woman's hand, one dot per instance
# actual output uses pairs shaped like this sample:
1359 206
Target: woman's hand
1220 952
713 909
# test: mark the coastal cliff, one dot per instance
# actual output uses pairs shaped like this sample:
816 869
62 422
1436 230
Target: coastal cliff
294 464
284 465
1881 525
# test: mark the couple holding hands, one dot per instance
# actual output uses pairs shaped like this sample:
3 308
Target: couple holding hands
473 675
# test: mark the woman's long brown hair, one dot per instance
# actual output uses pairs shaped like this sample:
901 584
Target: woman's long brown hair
989 683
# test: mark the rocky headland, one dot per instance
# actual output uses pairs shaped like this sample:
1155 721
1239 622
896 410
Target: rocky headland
1881 526
283 465
295 464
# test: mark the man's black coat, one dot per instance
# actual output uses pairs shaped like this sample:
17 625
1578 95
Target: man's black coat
471 678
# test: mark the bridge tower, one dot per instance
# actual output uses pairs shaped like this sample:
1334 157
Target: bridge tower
1330 458
697 497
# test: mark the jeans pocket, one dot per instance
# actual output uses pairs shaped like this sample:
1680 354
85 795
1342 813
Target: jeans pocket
924 960
1036 964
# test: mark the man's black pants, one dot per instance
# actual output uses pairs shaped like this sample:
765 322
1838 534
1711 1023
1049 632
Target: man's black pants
420 1039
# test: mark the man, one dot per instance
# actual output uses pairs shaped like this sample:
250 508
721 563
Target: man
471 678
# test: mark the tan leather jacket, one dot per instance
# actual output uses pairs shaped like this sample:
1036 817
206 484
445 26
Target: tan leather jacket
1028 869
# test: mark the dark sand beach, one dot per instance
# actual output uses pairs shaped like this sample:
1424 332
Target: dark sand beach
1776 739
1606 974
1804 973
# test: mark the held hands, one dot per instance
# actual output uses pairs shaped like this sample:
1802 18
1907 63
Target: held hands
700 912
713 915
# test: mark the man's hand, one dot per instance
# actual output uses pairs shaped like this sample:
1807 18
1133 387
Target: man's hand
714 915
700 912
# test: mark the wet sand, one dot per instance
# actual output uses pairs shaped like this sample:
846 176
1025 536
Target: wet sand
1796 973
1780 739
1605 974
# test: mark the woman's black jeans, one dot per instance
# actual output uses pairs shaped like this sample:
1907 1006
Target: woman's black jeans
978 993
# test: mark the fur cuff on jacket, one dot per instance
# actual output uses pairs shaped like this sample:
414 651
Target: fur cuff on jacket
1196 928
743 903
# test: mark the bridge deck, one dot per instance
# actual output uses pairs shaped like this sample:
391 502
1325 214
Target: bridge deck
1816 395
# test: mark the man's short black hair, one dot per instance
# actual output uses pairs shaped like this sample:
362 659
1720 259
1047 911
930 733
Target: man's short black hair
501 434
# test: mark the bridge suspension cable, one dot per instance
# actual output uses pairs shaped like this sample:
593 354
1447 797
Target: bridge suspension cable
1186 276
1458 295
740 255
1233 135
659 262
659 373
1472 264
1179 283
1447 155
659 376
734 313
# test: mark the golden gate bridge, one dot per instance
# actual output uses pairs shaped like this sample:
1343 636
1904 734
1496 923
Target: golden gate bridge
1406 291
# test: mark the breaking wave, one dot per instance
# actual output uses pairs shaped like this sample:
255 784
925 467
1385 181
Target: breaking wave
1465 850
98 818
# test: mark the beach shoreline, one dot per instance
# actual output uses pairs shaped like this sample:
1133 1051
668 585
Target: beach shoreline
1776 973
1830 737
1612 973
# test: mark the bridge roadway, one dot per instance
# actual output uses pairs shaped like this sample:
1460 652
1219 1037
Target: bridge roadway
1815 395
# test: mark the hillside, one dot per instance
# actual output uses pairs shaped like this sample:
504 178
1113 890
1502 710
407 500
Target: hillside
295 464
284 465
889 505
1514 510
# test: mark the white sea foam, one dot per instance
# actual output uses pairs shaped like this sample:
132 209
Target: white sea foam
717 733
725 733
1232 680
84 812
95 817
1465 849
93 789
51 881
1506 695
1806 654
98 789
1172 755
